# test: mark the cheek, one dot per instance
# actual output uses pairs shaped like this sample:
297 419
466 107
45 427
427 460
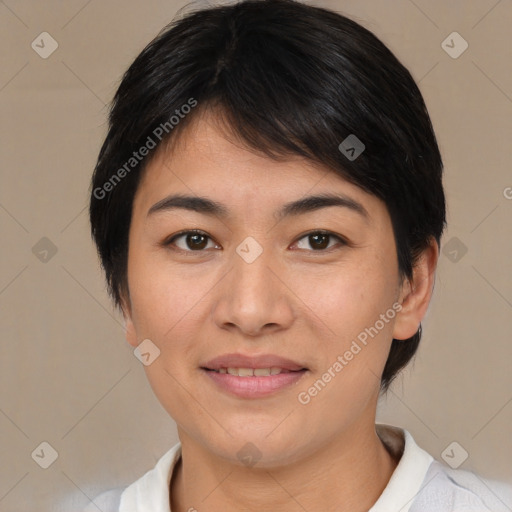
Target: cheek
348 298
166 298
347 310
166 305
346 317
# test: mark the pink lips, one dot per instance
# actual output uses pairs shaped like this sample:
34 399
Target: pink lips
253 386
243 361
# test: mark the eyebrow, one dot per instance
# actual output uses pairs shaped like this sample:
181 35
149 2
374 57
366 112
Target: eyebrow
298 207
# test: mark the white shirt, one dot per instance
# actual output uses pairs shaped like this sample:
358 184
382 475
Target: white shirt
418 484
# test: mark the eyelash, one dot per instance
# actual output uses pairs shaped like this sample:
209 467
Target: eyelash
170 241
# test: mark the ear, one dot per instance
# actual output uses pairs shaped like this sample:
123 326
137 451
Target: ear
130 333
415 293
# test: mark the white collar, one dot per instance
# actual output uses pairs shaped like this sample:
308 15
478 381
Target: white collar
150 493
406 480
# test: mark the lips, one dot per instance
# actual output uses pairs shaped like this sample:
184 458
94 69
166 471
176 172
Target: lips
245 362
253 377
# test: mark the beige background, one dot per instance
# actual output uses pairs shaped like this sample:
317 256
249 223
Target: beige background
67 376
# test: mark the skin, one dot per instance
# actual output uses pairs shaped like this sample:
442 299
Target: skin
295 301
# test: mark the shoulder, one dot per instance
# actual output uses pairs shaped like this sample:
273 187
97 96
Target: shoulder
455 489
107 501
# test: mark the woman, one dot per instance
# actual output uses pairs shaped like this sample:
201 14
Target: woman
268 208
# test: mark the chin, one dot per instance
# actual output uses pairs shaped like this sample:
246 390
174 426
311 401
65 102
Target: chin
255 449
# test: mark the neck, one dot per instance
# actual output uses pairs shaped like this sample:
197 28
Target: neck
348 473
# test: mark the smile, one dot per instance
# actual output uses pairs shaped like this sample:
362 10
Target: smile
252 383
253 372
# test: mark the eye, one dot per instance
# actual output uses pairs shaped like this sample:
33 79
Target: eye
319 240
193 240
197 241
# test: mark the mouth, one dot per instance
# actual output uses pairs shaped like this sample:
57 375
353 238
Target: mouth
253 372
252 376
246 365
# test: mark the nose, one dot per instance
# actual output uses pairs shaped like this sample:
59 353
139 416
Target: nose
253 299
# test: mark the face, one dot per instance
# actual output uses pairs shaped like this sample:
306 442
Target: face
260 285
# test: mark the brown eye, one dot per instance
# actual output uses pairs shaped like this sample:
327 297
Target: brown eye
319 241
196 241
191 241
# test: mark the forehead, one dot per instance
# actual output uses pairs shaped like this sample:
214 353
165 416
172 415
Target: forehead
207 160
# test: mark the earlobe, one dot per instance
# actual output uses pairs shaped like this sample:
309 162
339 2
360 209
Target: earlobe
416 294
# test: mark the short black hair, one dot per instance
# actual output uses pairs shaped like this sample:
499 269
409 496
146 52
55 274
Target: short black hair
289 79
